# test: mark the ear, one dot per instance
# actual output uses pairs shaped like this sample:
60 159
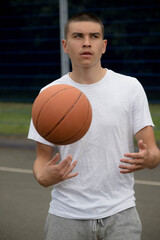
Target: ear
64 43
104 46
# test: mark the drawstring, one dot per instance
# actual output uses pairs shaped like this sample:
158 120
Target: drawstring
100 221
94 224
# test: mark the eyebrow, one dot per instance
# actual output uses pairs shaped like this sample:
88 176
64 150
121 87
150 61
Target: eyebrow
80 33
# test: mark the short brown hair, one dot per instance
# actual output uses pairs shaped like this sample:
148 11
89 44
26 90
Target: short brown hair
84 17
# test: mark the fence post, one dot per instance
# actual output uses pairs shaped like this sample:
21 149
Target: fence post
63 13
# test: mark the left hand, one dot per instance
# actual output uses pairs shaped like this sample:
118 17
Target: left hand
136 161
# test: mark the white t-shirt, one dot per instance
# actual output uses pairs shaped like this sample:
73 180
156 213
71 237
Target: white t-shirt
120 109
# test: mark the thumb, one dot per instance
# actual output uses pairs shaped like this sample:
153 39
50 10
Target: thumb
141 145
55 159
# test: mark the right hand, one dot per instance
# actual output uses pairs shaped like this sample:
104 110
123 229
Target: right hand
53 173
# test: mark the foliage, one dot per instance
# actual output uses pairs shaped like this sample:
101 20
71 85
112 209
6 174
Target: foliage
15 119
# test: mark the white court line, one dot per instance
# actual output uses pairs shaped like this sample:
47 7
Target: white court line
21 170
16 170
150 183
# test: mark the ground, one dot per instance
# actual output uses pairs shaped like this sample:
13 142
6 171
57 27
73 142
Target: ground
24 203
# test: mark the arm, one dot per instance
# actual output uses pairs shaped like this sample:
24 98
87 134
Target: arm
47 171
148 155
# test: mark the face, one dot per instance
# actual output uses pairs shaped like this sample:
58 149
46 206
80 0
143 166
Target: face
84 44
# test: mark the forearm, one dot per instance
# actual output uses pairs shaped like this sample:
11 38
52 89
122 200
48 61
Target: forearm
40 167
39 173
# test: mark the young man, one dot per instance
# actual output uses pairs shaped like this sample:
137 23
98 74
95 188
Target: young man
93 196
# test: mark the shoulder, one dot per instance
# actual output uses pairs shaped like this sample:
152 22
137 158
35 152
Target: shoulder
124 80
122 77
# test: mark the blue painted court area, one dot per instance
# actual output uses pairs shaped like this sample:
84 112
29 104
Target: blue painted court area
24 203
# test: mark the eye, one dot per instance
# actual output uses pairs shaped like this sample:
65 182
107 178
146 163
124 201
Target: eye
77 36
94 36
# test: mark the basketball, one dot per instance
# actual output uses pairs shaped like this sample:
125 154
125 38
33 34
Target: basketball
61 114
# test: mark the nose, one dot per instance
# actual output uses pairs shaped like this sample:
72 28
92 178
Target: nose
86 42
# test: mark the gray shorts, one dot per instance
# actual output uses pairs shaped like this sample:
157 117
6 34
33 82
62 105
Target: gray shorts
125 225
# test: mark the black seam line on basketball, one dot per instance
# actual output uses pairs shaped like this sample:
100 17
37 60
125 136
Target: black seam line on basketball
64 115
76 132
61 90
79 130
63 143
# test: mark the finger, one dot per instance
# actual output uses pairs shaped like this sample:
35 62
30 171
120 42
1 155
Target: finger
133 155
72 175
133 161
70 169
125 171
55 159
66 162
141 144
65 165
130 171
130 168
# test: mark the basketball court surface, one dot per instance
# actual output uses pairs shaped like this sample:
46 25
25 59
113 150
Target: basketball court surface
24 203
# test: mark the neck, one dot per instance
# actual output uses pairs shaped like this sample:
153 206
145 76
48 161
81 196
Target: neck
87 75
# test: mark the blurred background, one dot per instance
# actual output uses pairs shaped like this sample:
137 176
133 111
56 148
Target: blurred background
30 43
30 50
30 58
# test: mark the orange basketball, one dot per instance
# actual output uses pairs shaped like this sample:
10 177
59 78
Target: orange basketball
61 114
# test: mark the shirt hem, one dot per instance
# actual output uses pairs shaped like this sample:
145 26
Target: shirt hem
69 216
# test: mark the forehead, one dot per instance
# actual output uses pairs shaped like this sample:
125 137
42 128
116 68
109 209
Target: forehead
84 27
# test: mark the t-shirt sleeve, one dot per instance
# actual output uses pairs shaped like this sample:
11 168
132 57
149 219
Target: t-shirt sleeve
34 135
140 109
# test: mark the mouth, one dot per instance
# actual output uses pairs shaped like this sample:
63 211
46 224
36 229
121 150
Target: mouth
86 54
